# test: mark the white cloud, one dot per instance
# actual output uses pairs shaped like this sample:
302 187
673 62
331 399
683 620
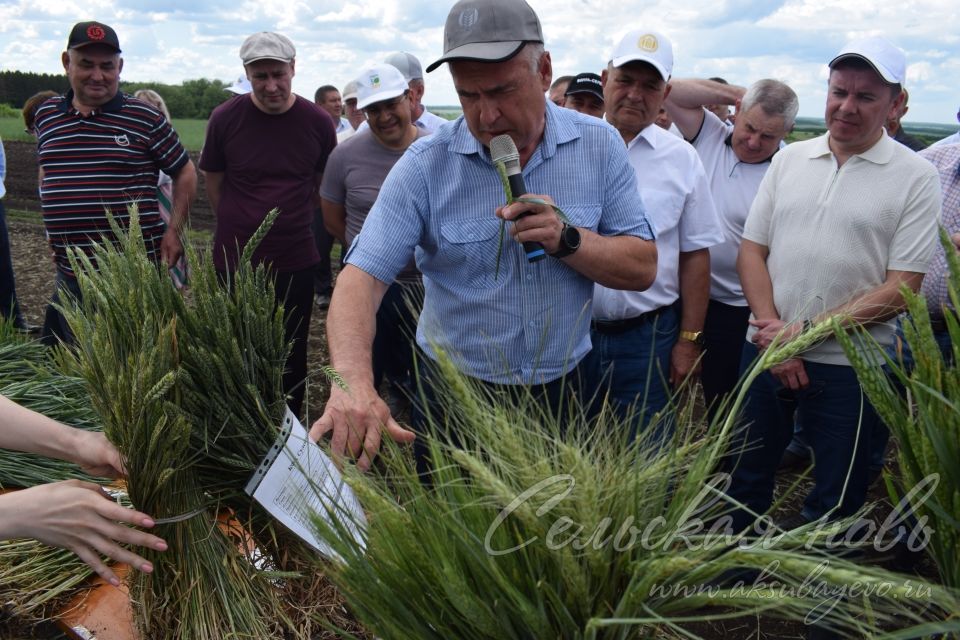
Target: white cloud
741 40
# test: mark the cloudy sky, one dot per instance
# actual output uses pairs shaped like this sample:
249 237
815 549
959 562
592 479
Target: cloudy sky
741 40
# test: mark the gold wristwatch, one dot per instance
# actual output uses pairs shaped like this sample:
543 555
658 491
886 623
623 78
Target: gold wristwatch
696 337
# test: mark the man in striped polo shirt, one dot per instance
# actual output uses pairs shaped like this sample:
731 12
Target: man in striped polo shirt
100 151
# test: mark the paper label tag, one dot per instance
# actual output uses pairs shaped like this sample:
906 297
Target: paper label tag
297 481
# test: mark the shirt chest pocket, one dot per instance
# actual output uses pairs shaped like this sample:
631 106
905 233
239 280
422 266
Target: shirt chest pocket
663 209
469 251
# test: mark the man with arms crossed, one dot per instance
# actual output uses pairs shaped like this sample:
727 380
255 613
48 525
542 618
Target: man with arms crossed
839 225
444 200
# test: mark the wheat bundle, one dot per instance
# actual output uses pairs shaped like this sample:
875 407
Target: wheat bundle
189 389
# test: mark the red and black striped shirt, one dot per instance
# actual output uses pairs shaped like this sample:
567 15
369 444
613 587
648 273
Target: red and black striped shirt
106 160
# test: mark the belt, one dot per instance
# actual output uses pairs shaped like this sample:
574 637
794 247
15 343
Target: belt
938 325
622 326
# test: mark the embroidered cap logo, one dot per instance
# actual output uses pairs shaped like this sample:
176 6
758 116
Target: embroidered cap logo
375 81
468 18
648 43
96 32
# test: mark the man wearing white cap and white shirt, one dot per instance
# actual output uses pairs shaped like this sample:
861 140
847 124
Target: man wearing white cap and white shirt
522 327
352 180
647 343
839 225
264 150
409 66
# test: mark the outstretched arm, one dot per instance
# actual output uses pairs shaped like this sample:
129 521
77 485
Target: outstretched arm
74 515
355 415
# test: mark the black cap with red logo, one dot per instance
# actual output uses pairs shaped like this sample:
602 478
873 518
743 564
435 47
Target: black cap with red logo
87 33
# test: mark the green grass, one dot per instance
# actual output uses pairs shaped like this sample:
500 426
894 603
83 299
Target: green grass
191 131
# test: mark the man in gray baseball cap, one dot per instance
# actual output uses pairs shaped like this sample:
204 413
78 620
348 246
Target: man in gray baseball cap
443 202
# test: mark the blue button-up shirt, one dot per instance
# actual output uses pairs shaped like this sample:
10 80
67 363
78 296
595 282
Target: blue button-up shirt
529 324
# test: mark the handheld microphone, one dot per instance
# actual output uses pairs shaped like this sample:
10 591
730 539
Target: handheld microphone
503 149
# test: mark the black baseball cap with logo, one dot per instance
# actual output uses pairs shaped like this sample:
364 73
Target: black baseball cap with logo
93 32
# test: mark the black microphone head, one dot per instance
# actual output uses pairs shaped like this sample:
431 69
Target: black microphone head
503 149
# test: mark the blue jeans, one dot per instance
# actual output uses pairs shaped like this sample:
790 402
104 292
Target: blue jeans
632 369
830 411
9 307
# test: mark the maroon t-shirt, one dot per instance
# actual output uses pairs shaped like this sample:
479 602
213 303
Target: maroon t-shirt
268 161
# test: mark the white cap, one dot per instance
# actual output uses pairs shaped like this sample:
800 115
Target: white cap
240 86
408 65
378 83
645 46
350 91
886 59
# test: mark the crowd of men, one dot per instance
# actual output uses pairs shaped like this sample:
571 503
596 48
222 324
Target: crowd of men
693 238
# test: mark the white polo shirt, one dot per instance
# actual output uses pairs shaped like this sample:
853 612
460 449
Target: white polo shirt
733 185
676 195
833 233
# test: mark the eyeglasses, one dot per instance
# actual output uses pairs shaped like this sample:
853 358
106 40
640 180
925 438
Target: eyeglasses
386 106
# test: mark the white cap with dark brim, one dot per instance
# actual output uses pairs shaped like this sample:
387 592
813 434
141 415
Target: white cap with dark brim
887 59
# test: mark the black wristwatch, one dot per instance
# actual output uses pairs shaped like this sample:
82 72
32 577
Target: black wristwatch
569 241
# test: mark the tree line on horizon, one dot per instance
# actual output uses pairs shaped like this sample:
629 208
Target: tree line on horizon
191 99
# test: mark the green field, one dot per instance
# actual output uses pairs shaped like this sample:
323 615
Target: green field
191 131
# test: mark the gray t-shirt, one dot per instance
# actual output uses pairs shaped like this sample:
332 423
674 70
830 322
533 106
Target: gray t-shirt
353 176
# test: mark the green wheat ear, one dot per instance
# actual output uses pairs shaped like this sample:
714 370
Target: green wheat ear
505 181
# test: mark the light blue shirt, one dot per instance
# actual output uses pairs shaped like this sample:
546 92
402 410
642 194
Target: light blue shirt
531 323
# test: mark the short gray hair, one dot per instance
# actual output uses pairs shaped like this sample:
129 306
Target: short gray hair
533 51
775 98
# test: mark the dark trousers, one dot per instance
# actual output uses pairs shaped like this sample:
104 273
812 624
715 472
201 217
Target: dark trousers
724 331
9 307
323 274
55 328
396 332
839 423
561 398
294 290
